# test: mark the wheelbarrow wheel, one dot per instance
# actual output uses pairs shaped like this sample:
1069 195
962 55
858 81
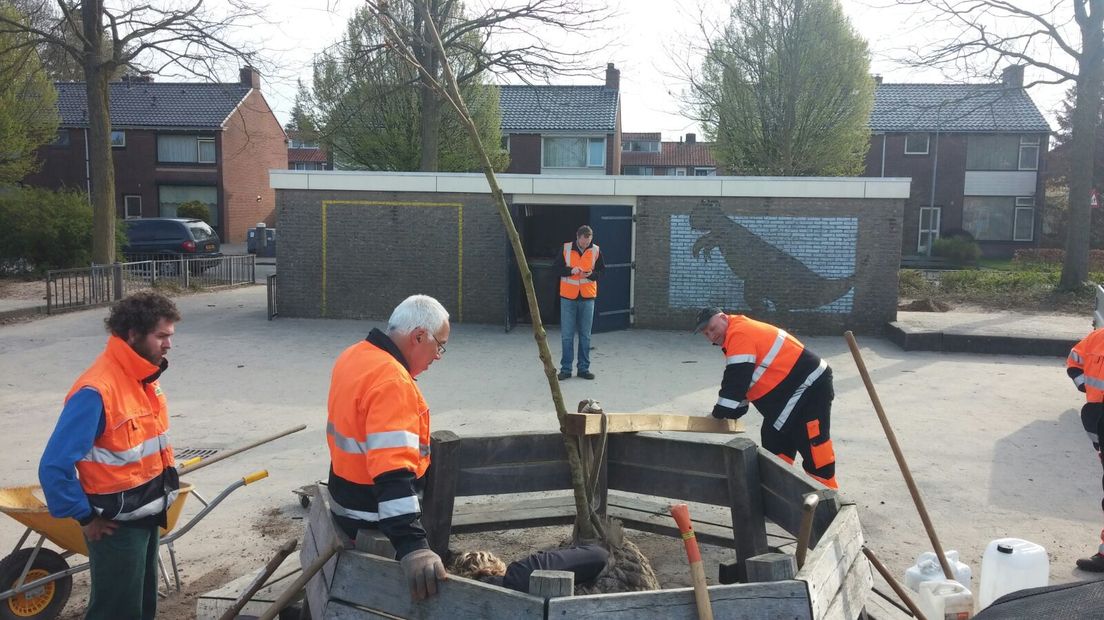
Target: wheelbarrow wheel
43 603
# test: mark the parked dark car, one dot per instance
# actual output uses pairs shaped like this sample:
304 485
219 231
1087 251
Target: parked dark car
163 238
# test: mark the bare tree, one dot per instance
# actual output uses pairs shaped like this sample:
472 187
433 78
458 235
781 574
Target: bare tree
173 37
984 35
501 39
587 523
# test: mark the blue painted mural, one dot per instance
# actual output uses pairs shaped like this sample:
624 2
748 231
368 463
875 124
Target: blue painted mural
762 264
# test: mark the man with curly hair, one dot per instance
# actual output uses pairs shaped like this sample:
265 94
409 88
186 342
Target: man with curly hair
109 464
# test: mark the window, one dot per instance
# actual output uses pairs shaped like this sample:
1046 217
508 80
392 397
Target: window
999 218
639 170
132 207
178 149
504 143
1023 228
306 165
118 139
206 151
299 143
705 172
992 152
916 144
172 196
573 152
680 172
1029 153
61 139
647 146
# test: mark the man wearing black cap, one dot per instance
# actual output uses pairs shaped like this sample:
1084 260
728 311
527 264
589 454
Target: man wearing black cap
789 384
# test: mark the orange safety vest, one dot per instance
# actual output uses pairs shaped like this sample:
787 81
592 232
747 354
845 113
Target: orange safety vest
134 447
772 350
378 420
1088 356
574 285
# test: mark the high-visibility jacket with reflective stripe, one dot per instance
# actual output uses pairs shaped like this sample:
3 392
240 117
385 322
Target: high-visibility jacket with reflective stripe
133 451
767 366
573 286
1085 365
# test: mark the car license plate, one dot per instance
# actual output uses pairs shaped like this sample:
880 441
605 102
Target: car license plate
209 246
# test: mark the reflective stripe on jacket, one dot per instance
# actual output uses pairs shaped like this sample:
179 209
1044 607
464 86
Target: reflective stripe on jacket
378 436
1085 365
129 473
573 286
767 366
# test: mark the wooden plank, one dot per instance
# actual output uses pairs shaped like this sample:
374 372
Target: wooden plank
211 605
670 482
745 501
853 594
318 589
591 423
781 600
827 564
323 527
488 450
514 478
552 583
506 515
440 490
768 567
787 481
676 454
456 598
787 514
337 610
653 517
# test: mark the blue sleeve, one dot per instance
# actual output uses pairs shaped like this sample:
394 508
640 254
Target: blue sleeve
81 422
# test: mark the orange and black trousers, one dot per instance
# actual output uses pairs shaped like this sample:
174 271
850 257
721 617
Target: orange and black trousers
1092 418
807 432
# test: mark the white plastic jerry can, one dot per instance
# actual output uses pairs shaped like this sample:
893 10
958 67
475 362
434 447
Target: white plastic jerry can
945 599
927 568
1010 565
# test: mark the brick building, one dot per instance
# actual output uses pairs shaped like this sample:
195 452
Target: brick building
817 255
976 154
173 143
645 154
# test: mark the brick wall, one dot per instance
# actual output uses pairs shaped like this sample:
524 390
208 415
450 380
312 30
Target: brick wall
811 265
252 144
382 247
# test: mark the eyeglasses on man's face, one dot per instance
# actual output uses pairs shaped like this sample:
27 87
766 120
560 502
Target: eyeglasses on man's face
440 347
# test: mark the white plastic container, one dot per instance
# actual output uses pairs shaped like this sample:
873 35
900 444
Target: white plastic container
1009 565
945 599
927 568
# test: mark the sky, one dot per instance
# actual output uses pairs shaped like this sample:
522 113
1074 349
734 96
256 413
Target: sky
646 42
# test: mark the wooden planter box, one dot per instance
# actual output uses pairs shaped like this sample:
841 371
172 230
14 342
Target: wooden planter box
743 485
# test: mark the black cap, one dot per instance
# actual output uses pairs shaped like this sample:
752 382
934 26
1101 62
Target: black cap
705 315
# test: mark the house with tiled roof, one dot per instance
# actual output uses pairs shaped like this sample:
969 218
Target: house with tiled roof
563 129
646 154
174 143
305 152
975 154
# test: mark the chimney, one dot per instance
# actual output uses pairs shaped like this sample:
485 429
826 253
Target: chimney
691 138
249 77
144 77
613 77
1012 76
877 78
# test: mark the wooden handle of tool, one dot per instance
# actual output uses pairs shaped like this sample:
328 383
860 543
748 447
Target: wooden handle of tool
301 582
259 581
808 509
915 492
190 465
884 572
681 513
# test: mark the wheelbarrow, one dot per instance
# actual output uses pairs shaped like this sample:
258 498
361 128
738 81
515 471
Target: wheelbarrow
35 581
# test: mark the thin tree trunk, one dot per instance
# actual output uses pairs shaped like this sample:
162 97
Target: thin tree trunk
587 523
99 134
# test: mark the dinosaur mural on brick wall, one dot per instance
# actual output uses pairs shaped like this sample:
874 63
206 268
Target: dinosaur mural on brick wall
762 263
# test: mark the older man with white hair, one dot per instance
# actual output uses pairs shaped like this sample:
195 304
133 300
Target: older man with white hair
378 435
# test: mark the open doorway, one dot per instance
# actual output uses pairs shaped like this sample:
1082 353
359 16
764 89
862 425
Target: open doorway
543 230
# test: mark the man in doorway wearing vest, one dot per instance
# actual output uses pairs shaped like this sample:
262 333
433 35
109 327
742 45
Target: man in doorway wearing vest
109 464
580 265
789 384
378 435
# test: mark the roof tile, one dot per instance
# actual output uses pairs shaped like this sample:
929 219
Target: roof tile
558 108
954 107
155 104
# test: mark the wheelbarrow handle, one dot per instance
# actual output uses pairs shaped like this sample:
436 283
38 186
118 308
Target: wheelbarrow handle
260 474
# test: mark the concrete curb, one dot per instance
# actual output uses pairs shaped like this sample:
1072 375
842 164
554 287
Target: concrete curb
951 341
19 313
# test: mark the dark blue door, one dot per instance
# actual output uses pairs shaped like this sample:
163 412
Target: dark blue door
613 233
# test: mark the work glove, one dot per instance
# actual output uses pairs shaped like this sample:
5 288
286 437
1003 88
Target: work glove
423 568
